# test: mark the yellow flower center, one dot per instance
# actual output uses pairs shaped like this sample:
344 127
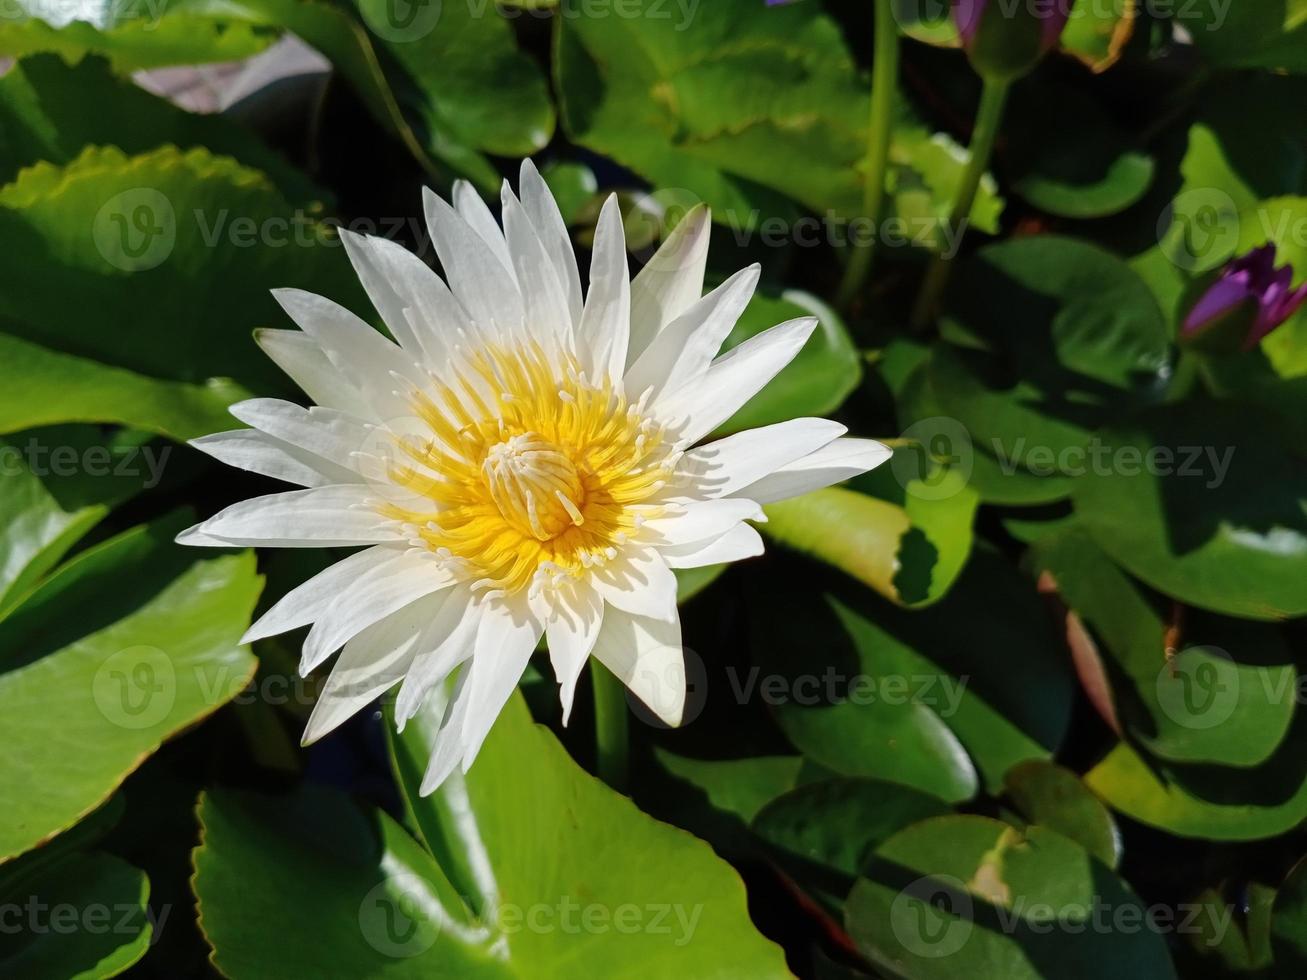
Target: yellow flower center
534 472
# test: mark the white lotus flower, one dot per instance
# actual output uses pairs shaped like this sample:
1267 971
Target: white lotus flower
519 464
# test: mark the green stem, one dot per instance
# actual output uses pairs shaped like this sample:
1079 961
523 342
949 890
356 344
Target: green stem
884 83
611 737
992 100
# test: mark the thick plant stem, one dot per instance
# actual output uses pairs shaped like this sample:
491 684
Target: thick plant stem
992 100
884 84
611 737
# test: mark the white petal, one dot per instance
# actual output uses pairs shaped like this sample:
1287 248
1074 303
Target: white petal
543 211
725 466
671 281
447 747
506 637
684 348
740 542
450 638
383 590
472 208
701 520
325 432
842 460
542 293
606 321
257 452
310 600
638 582
358 351
646 656
571 632
412 300
373 662
320 517
733 379
307 364
483 284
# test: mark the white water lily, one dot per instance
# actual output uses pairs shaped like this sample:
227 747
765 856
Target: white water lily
520 463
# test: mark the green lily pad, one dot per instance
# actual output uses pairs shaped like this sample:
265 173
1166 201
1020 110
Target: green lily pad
133 36
1252 35
1289 922
950 444
35 530
526 828
966 896
748 109
162 225
118 650
837 823
348 889
46 117
1050 796
819 378
1205 506
913 697
1226 696
109 928
1050 338
1208 801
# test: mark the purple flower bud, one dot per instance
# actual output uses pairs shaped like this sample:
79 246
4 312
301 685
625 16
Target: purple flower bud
1005 38
1250 292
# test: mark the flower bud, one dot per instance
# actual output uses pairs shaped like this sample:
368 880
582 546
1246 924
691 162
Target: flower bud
1248 299
1006 38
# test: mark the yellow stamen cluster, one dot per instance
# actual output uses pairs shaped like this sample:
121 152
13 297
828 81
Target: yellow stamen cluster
534 472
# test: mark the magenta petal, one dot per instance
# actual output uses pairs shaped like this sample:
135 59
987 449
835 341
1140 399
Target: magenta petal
967 14
1223 296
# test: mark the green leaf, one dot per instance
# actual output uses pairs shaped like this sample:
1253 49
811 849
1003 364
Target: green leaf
35 531
911 553
109 932
1262 34
107 658
837 823
445 78
1046 794
1289 922
347 889
746 108
949 443
913 697
1050 337
526 827
1225 696
816 382
967 896
1077 162
1202 503
132 35
150 242
738 787
45 116
1097 33
1212 802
